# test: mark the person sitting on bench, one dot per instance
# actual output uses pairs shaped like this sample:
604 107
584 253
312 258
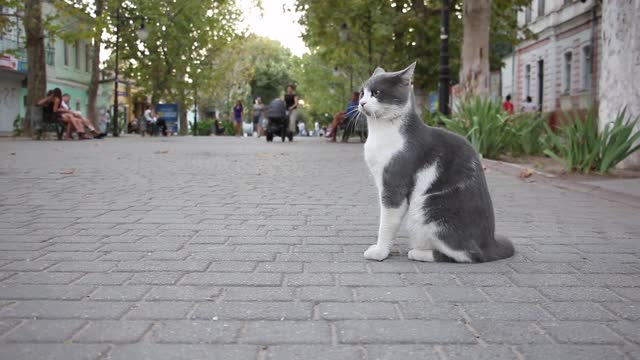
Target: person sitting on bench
340 117
66 98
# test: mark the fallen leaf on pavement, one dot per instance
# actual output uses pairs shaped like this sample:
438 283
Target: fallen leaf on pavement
525 173
68 171
162 151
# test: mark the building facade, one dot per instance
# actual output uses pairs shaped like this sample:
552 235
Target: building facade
68 67
559 69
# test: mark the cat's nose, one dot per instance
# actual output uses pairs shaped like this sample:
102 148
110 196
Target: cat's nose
363 103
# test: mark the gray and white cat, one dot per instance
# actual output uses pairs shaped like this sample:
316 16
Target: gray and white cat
432 177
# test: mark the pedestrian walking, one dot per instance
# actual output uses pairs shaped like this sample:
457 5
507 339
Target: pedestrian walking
507 105
291 100
237 117
258 113
529 106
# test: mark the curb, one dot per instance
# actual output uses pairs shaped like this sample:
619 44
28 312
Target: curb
565 184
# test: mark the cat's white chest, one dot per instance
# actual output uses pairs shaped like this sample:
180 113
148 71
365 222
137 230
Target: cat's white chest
381 145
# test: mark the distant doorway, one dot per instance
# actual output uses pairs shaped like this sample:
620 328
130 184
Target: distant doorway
540 83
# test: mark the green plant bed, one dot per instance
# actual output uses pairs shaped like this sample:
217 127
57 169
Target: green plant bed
580 147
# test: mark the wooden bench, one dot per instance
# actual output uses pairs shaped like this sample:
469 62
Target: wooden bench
43 119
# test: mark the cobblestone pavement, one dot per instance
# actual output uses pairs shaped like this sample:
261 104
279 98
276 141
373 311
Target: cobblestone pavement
225 248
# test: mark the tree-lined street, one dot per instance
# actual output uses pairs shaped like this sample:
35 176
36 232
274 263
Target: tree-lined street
230 248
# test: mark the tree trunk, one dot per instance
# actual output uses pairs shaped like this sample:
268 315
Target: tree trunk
620 65
92 110
184 124
37 79
474 72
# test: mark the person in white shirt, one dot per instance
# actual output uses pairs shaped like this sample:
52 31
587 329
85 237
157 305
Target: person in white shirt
66 98
150 118
529 106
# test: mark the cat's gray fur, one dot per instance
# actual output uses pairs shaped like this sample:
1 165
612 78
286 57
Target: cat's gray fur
452 218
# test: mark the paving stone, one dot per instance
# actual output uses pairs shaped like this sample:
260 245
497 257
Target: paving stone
534 280
357 311
454 294
28 266
120 293
44 292
581 332
162 265
628 329
110 331
570 352
52 351
159 310
484 280
231 279
288 267
33 331
314 352
477 352
103 279
286 332
505 311
143 351
259 294
325 293
510 332
627 311
369 279
632 294
429 311
578 294
406 293
309 279
155 278
43 278
407 331
232 266
195 332
241 310
329 267
578 311
401 352
513 294
183 293
430 279
55 309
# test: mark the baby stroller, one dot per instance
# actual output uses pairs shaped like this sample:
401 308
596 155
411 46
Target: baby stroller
278 118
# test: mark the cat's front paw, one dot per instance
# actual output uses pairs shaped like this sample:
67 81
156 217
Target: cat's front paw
375 252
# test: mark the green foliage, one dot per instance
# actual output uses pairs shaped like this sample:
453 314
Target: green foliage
204 127
228 128
399 32
582 148
18 128
484 124
432 118
528 133
324 91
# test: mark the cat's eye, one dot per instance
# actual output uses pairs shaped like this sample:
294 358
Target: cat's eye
375 92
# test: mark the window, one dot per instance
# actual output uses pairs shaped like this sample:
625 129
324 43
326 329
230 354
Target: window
76 47
78 105
527 80
50 51
587 67
540 7
66 54
87 58
527 14
567 72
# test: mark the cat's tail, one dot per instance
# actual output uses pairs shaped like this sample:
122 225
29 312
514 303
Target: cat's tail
504 248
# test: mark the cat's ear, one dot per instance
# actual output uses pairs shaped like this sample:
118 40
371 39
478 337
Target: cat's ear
407 73
378 71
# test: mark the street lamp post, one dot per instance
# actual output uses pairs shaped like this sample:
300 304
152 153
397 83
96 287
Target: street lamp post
142 34
443 86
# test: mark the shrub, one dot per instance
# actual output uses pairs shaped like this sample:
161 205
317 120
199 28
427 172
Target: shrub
204 127
580 146
484 124
228 127
18 129
528 133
